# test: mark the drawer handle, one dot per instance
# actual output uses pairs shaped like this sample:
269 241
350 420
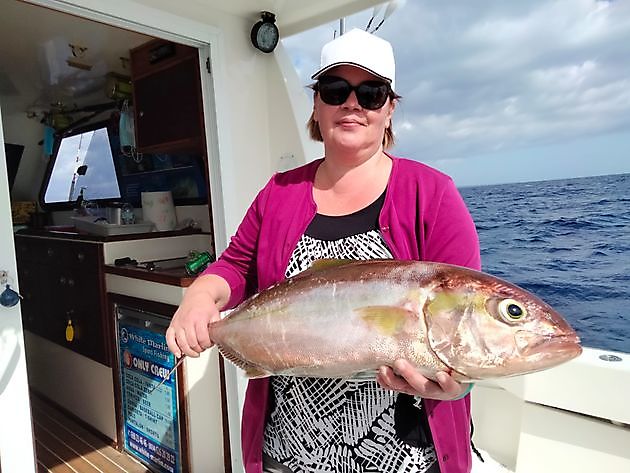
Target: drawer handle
81 257
50 252
62 280
70 282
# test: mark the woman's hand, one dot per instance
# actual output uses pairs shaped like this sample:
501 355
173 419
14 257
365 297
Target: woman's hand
188 331
405 378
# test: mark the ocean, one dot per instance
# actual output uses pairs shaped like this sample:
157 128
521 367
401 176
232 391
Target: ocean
568 242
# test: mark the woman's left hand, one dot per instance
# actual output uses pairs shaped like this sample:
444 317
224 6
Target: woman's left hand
405 378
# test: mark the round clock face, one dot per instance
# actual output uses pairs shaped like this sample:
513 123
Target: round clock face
266 38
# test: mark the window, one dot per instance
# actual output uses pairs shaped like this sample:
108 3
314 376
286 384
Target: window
89 162
83 165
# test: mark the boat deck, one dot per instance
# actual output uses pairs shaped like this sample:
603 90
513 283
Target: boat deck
64 446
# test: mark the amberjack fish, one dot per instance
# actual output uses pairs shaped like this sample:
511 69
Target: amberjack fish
341 318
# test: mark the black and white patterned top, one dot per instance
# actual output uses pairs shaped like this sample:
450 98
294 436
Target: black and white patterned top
344 425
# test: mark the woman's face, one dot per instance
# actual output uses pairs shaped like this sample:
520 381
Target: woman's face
349 127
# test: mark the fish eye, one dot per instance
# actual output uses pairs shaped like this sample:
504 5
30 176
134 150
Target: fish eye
511 309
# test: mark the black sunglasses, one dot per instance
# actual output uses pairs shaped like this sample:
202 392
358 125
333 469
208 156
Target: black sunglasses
371 94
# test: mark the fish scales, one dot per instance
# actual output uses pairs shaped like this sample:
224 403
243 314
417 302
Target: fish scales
354 317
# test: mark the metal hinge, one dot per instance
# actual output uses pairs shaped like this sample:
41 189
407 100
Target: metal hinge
208 68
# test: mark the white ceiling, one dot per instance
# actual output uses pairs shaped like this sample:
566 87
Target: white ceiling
34 49
292 16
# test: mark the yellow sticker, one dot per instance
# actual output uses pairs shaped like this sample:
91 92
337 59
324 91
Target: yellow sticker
69 331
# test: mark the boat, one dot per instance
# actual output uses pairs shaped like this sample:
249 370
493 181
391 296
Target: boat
252 110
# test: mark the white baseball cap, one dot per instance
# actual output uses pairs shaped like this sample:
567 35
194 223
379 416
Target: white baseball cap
361 49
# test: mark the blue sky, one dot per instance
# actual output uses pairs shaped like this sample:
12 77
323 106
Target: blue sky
500 91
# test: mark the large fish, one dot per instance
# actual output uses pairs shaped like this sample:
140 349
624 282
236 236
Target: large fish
342 318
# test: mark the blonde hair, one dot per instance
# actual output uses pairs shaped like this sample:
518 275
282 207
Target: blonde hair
315 133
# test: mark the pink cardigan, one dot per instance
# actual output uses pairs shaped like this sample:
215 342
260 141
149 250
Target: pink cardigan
423 218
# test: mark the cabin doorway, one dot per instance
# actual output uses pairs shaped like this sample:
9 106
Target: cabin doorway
34 90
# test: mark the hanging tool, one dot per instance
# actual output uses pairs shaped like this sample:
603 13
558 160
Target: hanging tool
168 375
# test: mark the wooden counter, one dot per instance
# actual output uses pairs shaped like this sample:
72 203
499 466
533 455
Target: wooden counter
70 233
172 277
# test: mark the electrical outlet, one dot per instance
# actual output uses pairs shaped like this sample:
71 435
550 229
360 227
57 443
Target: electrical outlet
3 277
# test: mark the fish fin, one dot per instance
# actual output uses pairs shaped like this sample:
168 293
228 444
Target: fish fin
366 375
387 319
329 263
321 264
251 370
325 263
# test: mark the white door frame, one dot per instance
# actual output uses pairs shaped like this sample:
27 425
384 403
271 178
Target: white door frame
16 432
16 442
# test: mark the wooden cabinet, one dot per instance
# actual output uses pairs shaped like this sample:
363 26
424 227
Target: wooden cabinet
62 282
167 98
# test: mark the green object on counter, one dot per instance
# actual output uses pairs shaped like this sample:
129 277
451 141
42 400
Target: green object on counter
198 263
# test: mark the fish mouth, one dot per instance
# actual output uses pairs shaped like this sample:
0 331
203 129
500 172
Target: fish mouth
564 345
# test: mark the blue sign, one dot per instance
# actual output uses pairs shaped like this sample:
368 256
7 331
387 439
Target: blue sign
150 418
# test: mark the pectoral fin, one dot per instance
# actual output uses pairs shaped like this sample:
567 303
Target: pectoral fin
386 319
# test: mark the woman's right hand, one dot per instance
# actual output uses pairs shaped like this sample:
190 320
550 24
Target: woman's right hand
188 331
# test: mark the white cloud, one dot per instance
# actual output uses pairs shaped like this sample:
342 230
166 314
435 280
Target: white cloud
406 126
490 75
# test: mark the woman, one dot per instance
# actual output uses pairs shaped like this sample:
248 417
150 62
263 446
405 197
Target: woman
356 202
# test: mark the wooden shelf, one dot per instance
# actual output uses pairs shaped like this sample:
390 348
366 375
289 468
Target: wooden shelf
173 277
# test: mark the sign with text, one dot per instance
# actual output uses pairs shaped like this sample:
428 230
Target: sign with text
151 425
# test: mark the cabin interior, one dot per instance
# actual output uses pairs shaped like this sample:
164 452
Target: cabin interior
63 73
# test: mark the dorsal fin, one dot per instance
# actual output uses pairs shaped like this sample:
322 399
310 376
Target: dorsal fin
251 371
330 263
325 263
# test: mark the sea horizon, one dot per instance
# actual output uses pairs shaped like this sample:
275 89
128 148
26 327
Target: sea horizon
568 242
551 179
